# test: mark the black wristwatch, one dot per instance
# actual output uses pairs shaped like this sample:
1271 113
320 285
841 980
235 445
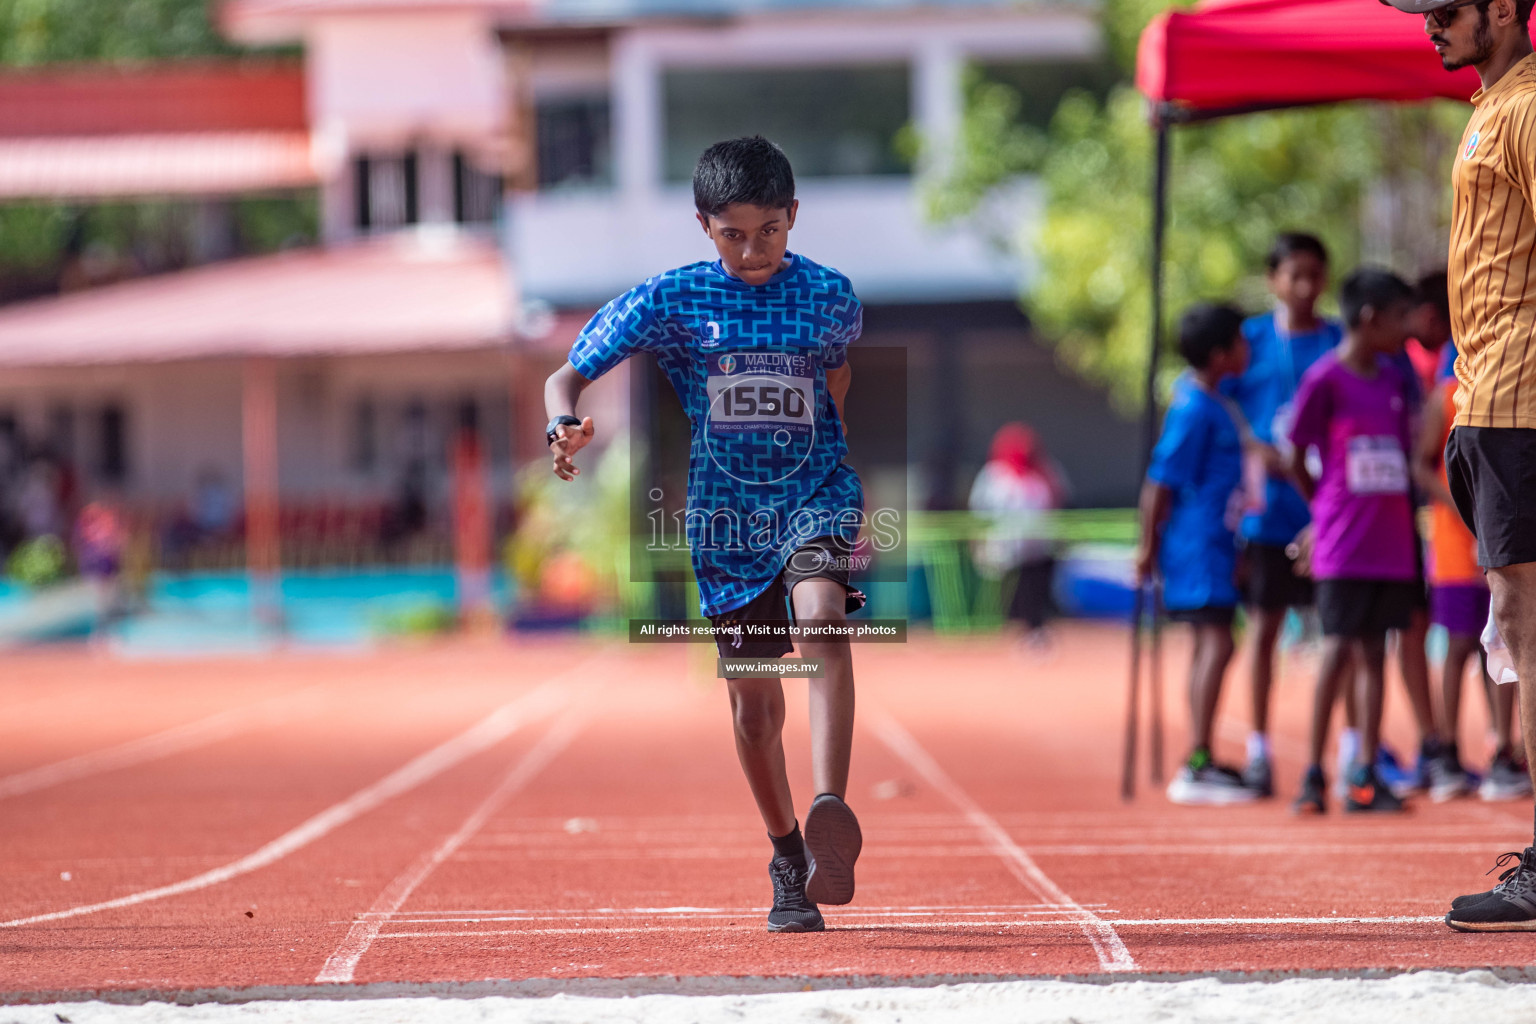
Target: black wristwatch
552 432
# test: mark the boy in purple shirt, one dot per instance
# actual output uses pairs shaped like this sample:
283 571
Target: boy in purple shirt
1353 414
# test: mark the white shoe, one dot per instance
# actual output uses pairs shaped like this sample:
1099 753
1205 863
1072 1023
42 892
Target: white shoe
1208 786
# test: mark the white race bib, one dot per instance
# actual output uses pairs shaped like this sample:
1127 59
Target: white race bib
1376 465
761 391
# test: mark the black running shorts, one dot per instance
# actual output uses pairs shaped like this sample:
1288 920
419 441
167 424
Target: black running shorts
1492 477
1366 608
1269 578
823 558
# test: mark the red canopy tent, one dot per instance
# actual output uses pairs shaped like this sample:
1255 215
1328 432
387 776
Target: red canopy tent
1227 57
1232 56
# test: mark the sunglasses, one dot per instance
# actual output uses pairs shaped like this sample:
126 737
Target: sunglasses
1443 16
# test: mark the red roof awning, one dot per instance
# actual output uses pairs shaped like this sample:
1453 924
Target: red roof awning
1232 55
197 96
188 128
199 163
406 293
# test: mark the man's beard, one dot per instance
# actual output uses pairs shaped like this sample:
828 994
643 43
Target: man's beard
1482 45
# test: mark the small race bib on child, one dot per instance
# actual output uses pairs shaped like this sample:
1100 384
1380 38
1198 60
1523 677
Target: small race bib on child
1376 465
761 391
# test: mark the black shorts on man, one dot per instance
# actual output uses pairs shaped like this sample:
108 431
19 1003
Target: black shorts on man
827 558
1492 476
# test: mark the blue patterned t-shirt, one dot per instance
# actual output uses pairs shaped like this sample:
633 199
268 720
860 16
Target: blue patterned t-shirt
749 362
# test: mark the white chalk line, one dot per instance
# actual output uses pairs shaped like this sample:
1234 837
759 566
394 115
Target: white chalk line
885 853
706 915
841 922
341 965
489 731
176 740
1107 946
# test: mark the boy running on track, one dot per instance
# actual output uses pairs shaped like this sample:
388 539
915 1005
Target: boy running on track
1353 408
755 344
1283 345
1190 505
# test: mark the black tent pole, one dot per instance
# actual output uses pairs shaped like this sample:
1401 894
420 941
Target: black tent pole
1148 437
1159 226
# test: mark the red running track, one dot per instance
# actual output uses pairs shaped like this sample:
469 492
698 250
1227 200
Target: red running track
488 810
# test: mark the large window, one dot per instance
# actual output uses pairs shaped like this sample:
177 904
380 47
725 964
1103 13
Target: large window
832 121
574 142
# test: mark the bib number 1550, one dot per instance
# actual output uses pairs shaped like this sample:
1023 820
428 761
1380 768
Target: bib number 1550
744 400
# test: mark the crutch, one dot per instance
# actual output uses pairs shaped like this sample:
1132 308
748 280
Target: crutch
1155 676
1132 704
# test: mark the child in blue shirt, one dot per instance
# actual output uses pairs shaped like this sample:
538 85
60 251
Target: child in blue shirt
755 345
1190 506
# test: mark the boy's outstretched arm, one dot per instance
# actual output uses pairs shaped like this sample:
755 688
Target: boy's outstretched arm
1429 450
1156 501
838 382
560 393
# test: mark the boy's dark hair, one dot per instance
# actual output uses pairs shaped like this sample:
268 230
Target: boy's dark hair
1374 287
1434 290
748 170
1292 243
1207 328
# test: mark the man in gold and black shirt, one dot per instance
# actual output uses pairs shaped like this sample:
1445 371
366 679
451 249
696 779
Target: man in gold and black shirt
1490 460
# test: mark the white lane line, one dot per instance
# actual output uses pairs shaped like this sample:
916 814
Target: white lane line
342 964
486 733
836 923
412 919
1471 848
1107 946
176 740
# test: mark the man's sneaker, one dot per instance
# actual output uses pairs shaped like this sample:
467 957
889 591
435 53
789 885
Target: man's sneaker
1390 771
1447 778
1509 906
1209 784
1368 792
791 912
1313 799
832 841
1507 780
1477 897
1430 752
1259 777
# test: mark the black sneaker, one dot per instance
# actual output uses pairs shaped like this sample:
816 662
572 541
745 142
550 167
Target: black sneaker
1504 858
1314 793
1368 793
791 912
1509 906
832 841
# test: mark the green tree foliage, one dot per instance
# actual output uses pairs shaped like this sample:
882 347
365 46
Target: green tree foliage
1235 183
54 31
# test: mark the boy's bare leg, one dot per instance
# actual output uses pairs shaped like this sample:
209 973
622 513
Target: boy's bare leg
757 712
1266 634
831 696
1414 662
1459 649
1370 683
1336 661
1514 612
1213 652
